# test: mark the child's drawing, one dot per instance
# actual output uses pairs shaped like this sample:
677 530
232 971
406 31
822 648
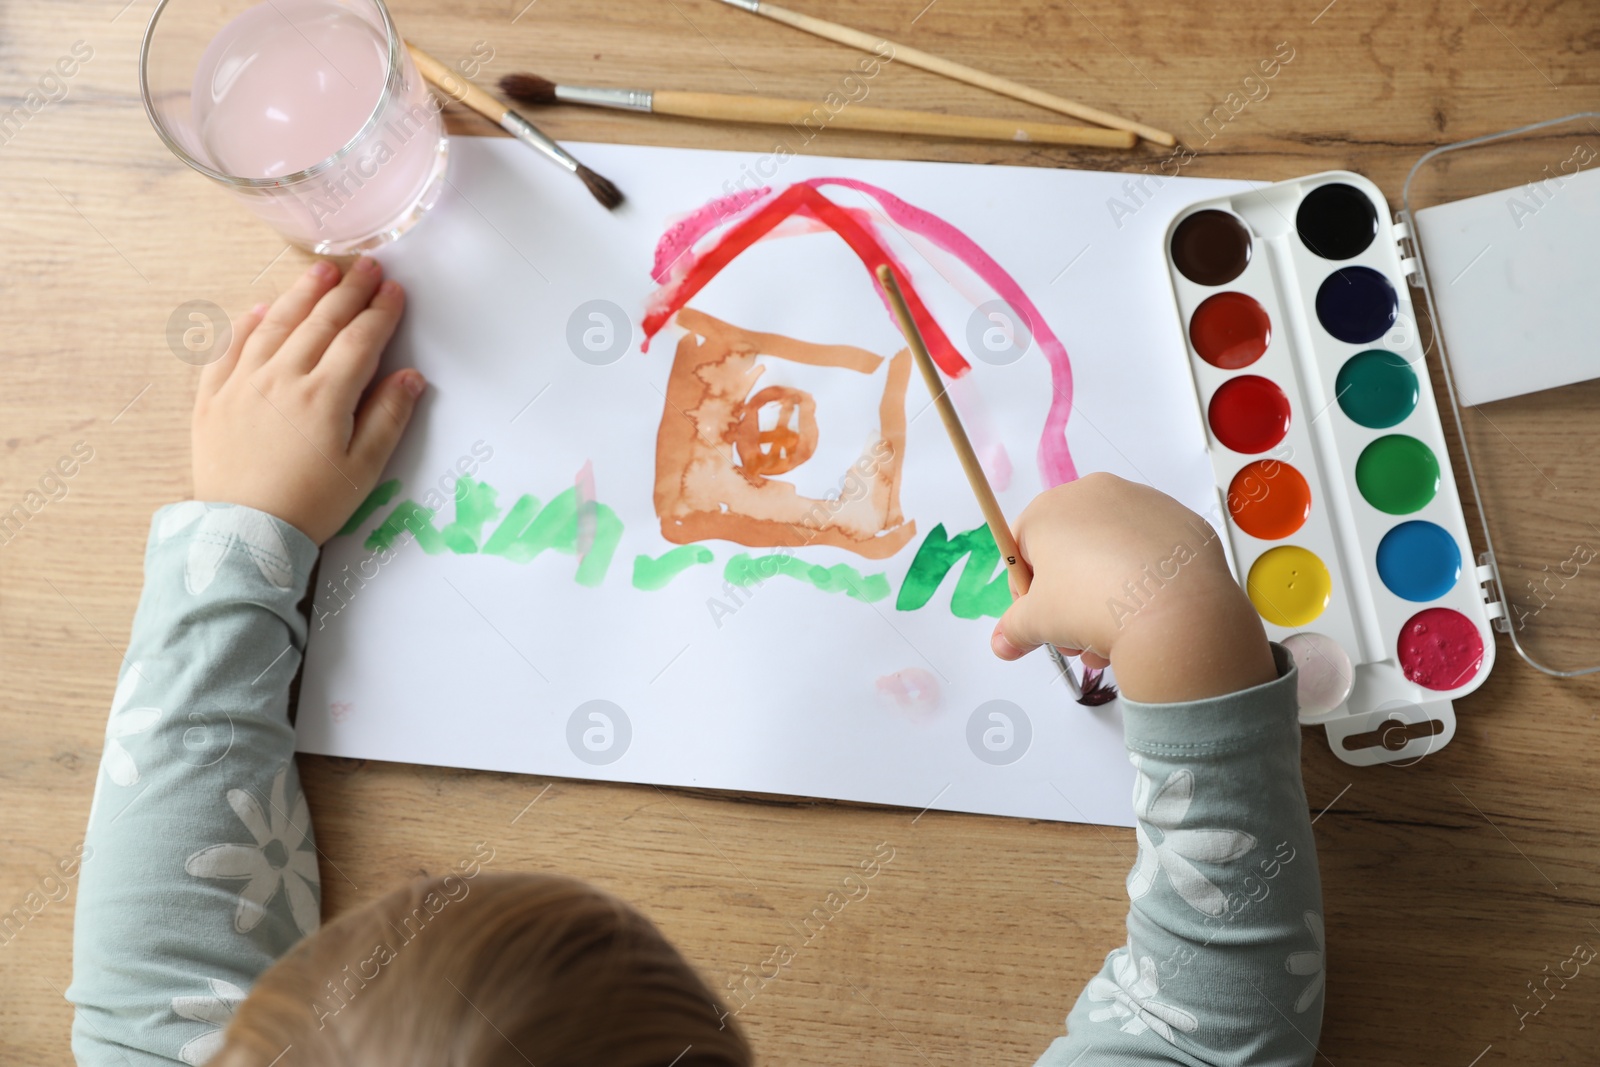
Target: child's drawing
745 526
682 271
725 439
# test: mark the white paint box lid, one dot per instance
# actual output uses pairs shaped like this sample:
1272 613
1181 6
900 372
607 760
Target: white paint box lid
1505 234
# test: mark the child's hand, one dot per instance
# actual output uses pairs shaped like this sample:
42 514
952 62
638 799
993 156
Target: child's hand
1127 575
276 424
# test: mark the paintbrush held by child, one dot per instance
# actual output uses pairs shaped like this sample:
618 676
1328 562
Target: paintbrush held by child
198 936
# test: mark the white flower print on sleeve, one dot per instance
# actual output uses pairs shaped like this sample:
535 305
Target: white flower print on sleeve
1129 995
279 858
116 762
1310 963
125 722
221 528
215 1010
1164 808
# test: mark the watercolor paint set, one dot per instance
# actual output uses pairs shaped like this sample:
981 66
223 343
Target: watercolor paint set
1343 517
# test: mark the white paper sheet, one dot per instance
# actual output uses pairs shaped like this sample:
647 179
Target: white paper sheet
481 661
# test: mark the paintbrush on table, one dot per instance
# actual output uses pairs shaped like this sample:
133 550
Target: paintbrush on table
731 107
915 57
464 92
1021 573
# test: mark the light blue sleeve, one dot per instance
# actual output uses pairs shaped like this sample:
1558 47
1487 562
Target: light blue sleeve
1224 959
199 869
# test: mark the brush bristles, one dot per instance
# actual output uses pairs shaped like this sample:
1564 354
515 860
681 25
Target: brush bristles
529 89
532 89
602 189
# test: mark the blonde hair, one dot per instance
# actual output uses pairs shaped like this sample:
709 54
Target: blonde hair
500 970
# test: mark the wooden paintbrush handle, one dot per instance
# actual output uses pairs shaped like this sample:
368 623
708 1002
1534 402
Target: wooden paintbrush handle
915 57
734 108
1021 573
456 87
1017 568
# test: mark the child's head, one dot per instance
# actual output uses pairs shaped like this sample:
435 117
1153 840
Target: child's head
503 971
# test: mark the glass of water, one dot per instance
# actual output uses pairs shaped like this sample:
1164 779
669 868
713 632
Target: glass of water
311 111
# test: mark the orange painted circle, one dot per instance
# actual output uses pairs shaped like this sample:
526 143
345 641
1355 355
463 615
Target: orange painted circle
1269 499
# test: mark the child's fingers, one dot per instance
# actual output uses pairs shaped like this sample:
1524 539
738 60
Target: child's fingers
383 418
287 312
1031 621
337 308
1016 634
352 357
213 374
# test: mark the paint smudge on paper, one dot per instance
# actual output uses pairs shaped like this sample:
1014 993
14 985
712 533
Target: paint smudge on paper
681 235
528 530
410 516
583 485
376 499
992 454
652 574
913 692
996 464
979 591
475 505
743 570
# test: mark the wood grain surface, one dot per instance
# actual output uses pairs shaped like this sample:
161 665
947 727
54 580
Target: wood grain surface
1450 884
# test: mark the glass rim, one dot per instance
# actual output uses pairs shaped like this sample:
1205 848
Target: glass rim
396 63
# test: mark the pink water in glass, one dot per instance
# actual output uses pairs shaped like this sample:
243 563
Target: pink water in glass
288 84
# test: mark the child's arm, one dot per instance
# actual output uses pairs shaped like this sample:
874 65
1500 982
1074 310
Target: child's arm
1224 957
199 868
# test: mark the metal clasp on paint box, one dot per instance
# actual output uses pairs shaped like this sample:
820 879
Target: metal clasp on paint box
1494 597
1408 254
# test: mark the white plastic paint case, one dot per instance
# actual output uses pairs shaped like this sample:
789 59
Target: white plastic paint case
1501 234
1355 638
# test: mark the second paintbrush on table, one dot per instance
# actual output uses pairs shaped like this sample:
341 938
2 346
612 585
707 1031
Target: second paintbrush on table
464 92
729 107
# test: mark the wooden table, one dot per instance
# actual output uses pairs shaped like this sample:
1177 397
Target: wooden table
1450 884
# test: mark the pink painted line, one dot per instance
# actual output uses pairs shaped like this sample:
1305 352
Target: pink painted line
682 235
1055 458
583 490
